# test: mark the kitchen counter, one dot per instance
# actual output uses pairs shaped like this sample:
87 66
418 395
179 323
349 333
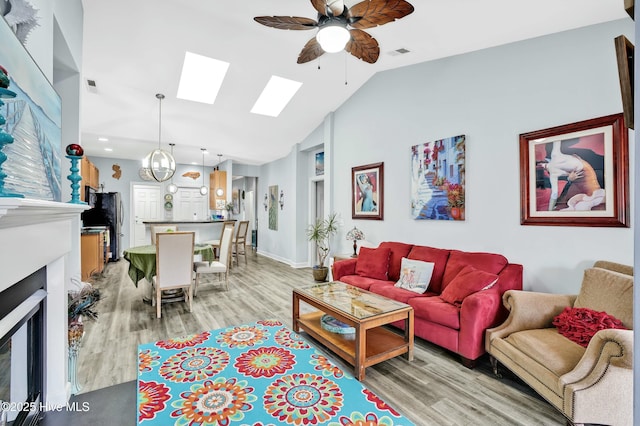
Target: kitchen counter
205 230
173 222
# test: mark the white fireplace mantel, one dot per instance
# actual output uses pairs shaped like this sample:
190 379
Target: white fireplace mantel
36 234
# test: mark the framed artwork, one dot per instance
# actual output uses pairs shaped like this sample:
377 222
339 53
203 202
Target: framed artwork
235 201
273 207
576 174
438 179
367 184
320 163
624 57
34 119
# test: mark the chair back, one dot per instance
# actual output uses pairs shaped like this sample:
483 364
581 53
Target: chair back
241 235
225 242
174 259
161 228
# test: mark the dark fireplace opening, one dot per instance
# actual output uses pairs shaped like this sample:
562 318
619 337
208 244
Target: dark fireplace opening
22 350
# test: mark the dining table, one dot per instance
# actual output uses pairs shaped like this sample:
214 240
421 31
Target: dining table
142 263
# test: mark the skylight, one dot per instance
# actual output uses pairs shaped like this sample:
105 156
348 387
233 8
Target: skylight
201 78
275 96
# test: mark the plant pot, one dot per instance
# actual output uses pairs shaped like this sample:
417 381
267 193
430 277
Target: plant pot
455 213
320 273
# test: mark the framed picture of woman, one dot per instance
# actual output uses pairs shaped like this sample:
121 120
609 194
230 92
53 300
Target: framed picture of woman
576 174
367 184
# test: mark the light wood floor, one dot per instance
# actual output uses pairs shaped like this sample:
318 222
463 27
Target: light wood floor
434 389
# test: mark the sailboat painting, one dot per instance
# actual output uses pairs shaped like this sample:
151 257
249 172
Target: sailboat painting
33 117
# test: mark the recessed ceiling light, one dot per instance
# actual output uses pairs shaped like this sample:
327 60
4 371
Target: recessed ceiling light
103 139
275 96
195 164
201 78
108 149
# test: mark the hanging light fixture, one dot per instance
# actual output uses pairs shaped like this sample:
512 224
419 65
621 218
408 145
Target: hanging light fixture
172 188
159 164
203 189
219 191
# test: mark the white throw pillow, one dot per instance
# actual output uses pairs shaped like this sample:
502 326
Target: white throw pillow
415 275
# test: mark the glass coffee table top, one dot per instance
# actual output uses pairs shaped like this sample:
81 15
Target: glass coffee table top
350 300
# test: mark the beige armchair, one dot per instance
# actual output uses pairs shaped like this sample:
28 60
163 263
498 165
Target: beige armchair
588 385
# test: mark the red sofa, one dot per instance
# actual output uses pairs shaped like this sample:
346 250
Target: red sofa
460 326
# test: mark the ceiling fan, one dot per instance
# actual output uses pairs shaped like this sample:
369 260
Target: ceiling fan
337 21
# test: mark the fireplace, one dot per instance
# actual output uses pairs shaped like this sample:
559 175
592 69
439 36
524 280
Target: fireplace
39 253
21 349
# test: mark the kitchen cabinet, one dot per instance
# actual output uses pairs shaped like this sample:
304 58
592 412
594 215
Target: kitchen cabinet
92 254
90 176
218 190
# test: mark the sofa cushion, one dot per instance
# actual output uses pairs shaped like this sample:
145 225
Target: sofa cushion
415 275
554 354
581 324
434 309
607 291
361 282
388 289
436 256
468 281
398 251
373 263
488 262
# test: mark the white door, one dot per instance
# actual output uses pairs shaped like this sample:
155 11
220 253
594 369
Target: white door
250 212
189 204
148 205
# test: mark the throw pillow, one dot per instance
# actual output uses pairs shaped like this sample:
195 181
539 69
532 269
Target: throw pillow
581 324
415 275
468 281
373 263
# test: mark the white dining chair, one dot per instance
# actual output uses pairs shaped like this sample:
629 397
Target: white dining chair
223 264
216 243
174 266
161 228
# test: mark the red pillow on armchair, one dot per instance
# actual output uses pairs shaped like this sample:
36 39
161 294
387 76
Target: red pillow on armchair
373 263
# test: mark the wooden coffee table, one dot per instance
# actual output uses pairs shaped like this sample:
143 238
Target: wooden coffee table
365 311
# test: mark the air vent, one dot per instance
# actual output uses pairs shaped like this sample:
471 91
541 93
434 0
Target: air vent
92 86
400 51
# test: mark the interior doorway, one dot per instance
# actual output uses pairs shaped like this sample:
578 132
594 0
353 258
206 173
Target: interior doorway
317 213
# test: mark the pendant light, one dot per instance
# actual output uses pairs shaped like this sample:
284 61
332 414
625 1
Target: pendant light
219 191
203 189
172 188
159 164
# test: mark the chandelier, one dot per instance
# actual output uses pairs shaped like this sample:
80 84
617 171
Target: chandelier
159 164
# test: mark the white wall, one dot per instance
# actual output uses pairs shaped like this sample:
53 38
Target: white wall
491 96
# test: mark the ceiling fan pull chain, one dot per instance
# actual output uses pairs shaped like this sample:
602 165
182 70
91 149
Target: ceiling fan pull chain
345 69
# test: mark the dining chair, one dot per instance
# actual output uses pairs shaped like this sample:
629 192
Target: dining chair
223 264
161 228
174 266
216 243
240 242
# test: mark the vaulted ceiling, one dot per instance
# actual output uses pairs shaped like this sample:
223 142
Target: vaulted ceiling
135 49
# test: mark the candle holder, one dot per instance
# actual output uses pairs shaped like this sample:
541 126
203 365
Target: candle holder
75 179
5 139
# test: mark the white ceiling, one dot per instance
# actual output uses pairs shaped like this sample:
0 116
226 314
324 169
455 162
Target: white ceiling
135 49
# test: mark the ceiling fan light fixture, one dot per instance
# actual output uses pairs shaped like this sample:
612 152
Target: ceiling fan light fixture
333 38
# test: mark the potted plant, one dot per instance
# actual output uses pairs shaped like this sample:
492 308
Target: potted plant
320 233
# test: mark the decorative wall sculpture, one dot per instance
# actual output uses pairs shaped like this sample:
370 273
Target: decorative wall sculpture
273 207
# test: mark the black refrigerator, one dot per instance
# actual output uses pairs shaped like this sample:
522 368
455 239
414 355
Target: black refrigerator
107 211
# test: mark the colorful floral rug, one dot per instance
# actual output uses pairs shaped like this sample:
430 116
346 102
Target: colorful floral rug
253 374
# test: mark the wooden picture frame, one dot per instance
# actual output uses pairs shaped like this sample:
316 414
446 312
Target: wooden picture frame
624 56
367 185
576 174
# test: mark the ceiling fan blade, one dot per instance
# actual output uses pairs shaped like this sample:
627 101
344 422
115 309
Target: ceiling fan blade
310 51
287 22
363 46
320 6
371 13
